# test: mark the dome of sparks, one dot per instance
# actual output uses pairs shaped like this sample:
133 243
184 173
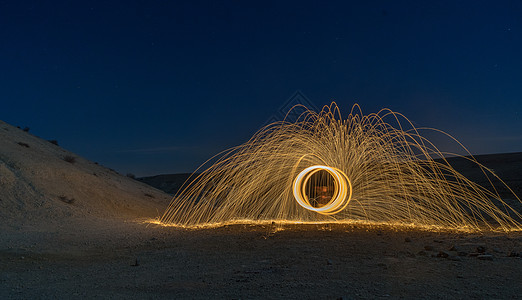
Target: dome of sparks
325 168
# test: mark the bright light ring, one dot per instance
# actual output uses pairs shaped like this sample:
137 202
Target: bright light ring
342 190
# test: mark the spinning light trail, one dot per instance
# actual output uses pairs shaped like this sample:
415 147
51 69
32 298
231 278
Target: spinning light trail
371 168
336 203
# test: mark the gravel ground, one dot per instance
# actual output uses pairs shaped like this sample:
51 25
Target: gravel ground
123 259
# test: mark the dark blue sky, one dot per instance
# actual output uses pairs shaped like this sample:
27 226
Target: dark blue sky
154 87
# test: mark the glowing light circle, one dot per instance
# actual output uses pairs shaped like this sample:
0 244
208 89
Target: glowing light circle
342 190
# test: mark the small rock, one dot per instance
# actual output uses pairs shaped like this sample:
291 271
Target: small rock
443 254
462 253
438 241
485 257
409 254
329 262
455 258
474 254
422 253
453 248
428 248
481 249
407 240
514 254
136 263
382 265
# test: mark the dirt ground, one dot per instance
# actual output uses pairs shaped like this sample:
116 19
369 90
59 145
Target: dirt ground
128 259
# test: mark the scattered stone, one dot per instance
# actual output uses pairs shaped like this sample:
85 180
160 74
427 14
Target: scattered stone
428 248
443 254
462 253
455 258
496 250
481 249
410 254
329 262
515 254
382 265
485 257
136 263
407 240
474 254
422 253
453 248
438 241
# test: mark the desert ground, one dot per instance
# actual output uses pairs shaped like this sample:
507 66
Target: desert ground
124 259
70 228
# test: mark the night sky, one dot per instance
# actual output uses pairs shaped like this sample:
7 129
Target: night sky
151 87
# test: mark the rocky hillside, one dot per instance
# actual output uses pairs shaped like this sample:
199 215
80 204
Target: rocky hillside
42 182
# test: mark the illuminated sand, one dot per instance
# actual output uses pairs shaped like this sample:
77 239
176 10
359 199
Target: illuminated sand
396 176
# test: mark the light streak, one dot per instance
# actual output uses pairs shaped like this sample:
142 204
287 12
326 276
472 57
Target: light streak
374 168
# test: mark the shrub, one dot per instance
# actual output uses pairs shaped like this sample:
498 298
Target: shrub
54 142
26 129
130 175
23 144
70 159
66 200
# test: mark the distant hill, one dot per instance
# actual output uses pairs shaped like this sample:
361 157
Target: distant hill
508 166
169 183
